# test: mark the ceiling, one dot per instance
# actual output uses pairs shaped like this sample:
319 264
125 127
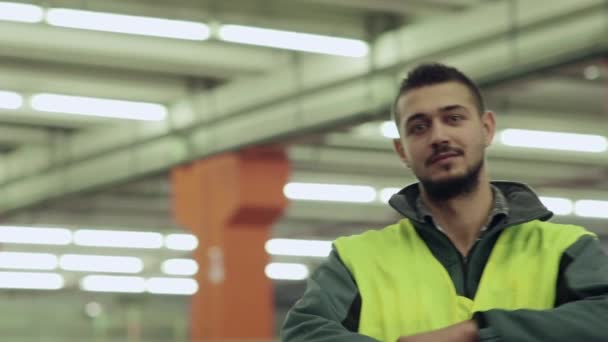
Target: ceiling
59 169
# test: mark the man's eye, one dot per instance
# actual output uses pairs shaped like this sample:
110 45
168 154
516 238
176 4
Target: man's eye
418 128
455 117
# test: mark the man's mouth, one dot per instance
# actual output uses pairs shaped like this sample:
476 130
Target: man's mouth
442 156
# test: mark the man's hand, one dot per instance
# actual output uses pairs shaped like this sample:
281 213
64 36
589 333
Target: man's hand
461 332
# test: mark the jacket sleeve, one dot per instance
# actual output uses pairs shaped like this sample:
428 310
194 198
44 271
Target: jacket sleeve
581 316
325 311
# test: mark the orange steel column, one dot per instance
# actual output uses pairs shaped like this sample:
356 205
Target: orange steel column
229 202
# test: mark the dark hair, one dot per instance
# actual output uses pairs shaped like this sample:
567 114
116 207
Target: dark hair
431 74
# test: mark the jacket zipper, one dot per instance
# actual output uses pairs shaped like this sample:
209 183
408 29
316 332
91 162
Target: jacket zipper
464 263
465 268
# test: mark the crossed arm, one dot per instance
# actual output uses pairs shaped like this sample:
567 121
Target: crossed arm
329 309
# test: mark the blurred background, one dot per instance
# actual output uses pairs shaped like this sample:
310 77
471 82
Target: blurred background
174 170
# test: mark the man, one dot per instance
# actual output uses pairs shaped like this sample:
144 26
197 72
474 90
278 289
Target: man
472 260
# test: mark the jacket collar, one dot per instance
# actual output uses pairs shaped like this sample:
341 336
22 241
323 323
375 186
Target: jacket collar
523 203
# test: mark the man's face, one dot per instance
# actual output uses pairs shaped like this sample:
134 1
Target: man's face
443 137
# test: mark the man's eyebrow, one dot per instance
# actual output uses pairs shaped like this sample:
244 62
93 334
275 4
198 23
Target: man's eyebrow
451 108
416 116
420 116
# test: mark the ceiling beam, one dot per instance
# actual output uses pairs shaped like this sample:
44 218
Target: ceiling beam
405 7
28 77
16 135
41 42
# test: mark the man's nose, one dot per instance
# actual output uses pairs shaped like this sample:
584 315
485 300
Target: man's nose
438 135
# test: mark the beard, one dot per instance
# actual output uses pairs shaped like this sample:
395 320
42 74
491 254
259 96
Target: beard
453 187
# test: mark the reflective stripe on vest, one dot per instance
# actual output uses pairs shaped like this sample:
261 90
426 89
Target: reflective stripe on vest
405 290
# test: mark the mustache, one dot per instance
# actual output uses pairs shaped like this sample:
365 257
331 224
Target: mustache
437 150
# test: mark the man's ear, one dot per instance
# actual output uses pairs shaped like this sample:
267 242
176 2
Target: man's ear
401 151
488 121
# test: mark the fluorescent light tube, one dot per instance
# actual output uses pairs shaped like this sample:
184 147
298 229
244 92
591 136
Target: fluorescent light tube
119 23
9 99
286 271
90 106
181 242
31 281
117 238
124 284
35 236
389 130
296 247
174 286
25 13
100 263
293 40
387 193
554 140
179 267
591 208
330 192
28 261
558 205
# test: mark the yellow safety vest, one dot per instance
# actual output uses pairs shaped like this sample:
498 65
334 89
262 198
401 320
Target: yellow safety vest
405 291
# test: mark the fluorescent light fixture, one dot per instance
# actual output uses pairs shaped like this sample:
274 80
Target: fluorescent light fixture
295 247
181 242
102 283
35 236
330 192
90 106
387 193
25 13
558 205
9 99
179 267
389 130
293 40
174 286
100 263
120 23
286 271
31 281
28 261
591 208
117 238
554 140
